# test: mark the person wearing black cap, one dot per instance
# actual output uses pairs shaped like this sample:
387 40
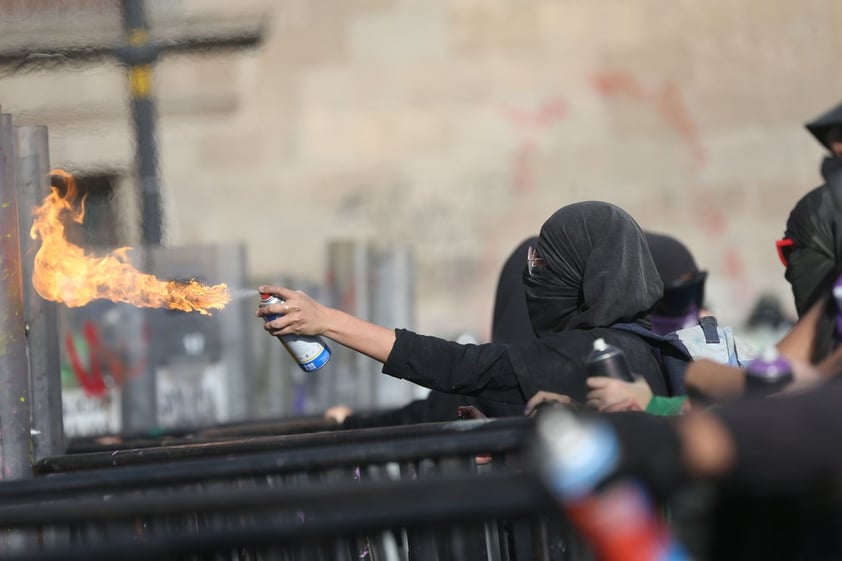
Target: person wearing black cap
811 248
684 285
827 128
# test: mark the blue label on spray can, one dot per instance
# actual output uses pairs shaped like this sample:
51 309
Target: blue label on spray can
311 353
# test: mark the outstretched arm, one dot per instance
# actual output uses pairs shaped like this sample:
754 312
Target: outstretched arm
301 315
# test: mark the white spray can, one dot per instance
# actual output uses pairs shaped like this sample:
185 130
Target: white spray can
310 352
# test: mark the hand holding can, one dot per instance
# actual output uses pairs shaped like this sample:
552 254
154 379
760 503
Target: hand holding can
309 351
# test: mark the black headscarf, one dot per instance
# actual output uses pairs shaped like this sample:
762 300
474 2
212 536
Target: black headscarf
598 271
814 226
510 321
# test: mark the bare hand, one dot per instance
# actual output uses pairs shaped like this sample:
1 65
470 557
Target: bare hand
338 413
606 392
542 398
627 404
298 314
804 376
469 412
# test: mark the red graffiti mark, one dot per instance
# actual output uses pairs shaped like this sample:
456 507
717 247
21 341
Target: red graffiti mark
92 379
666 100
708 214
529 124
733 263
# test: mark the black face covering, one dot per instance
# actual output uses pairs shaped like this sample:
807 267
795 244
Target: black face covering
814 227
831 167
597 270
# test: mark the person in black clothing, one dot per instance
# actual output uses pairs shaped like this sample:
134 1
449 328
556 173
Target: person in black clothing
684 285
510 323
811 249
510 320
776 464
589 276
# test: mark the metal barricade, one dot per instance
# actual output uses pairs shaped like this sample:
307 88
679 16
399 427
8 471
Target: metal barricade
405 493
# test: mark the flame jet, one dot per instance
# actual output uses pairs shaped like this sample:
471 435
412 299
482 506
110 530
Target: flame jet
64 273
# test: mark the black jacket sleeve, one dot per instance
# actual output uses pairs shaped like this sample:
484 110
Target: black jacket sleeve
478 370
787 443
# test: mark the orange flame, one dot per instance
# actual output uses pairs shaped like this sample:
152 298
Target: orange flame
64 273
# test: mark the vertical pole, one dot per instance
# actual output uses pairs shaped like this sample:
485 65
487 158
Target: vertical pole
139 56
392 305
41 316
349 265
140 395
14 368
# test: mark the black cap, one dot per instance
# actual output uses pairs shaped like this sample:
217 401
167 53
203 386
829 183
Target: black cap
821 125
684 283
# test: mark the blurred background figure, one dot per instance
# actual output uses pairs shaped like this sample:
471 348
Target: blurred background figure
827 128
510 319
682 309
684 285
767 323
811 247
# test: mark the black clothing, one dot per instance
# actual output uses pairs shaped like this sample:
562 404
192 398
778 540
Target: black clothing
788 444
510 320
813 225
787 482
514 373
510 324
684 283
673 260
820 126
598 271
831 166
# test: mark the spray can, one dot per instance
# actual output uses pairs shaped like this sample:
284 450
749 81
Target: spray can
608 360
311 353
768 373
577 458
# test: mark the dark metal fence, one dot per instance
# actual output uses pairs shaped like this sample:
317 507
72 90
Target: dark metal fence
408 493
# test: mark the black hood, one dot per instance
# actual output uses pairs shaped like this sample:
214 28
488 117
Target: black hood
823 123
684 283
510 323
598 271
814 226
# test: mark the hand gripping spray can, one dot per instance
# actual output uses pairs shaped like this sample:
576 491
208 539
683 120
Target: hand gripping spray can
311 353
768 373
608 360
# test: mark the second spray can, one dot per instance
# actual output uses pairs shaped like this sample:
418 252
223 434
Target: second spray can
310 352
608 360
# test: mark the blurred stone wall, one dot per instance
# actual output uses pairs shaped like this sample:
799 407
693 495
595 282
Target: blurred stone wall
458 126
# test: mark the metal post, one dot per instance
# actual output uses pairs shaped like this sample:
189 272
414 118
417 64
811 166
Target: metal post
392 305
139 56
14 368
140 395
41 316
354 384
